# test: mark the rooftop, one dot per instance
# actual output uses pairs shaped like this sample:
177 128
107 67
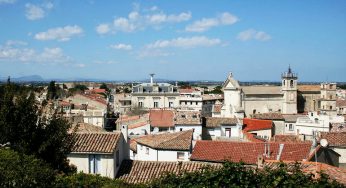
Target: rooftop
261 90
145 171
219 151
218 121
168 141
256 124
96 142
271 116
161 118
334 138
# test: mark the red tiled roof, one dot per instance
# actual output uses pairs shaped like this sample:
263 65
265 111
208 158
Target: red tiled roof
98 90
187 90
218 151
188 117
146 171
161 118
168 141
315 168
138 124
286 138
251 137
218 121
96 142
309 88
335 138
256 124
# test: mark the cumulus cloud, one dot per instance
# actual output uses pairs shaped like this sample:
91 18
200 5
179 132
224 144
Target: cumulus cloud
121 46
103 28
207 23
12 52
60 33
188 42
138 19
252 34
7 1
36 12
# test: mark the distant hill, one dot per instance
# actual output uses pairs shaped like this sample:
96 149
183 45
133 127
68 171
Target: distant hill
30 78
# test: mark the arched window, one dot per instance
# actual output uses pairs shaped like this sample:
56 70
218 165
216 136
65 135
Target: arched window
291 83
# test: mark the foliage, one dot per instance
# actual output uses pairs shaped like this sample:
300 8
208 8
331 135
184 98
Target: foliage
18 170
239 175
104 86
52 91
81 87
342 86
89 180
27 132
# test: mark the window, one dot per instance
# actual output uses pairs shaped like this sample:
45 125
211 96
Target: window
156 104
228 132
290 127
117 162
330 97
140 104
185 102
196 103
141 147
94 164
330 107
181 129
170 104
180 155
183 116
291 83
147 150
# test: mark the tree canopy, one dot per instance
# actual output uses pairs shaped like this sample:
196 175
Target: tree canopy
29 132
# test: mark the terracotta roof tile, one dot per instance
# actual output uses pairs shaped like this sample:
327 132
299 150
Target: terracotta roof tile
218 151
334 139
146 171
309 88
271 116
261 90
218 121
168 141
286 138
256 124
187 117
161 118
96 142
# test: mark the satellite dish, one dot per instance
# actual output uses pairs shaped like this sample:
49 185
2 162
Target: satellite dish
324 142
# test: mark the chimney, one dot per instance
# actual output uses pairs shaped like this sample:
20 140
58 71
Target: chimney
280 151
260 161
125 131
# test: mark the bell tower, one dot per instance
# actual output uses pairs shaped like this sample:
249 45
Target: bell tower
289 91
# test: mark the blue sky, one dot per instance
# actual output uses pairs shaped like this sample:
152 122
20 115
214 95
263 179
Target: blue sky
179 40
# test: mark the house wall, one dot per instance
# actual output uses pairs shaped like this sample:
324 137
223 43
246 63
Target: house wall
341 151
164 155
81 161
139 130
279 127
287 128
266 134
197 134
148 100
80 99
143 156
262 105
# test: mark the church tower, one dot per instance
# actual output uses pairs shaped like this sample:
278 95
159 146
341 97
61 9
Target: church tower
289 90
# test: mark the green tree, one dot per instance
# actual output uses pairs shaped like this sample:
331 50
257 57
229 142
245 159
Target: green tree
19 170
22 125
52 91
104 86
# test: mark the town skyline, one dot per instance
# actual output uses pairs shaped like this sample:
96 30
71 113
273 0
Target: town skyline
176 40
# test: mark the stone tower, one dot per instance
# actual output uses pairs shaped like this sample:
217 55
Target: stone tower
289 90
327 103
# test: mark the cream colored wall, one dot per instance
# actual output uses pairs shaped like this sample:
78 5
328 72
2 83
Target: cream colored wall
262 106
342 152
148 101
263 133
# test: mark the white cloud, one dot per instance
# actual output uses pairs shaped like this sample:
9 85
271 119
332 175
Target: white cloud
253 34
80 65
103 28
60 33
106 62
36 12
121 46
206 23
11 52
33 12
181 42
7 1
152 53
138 19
